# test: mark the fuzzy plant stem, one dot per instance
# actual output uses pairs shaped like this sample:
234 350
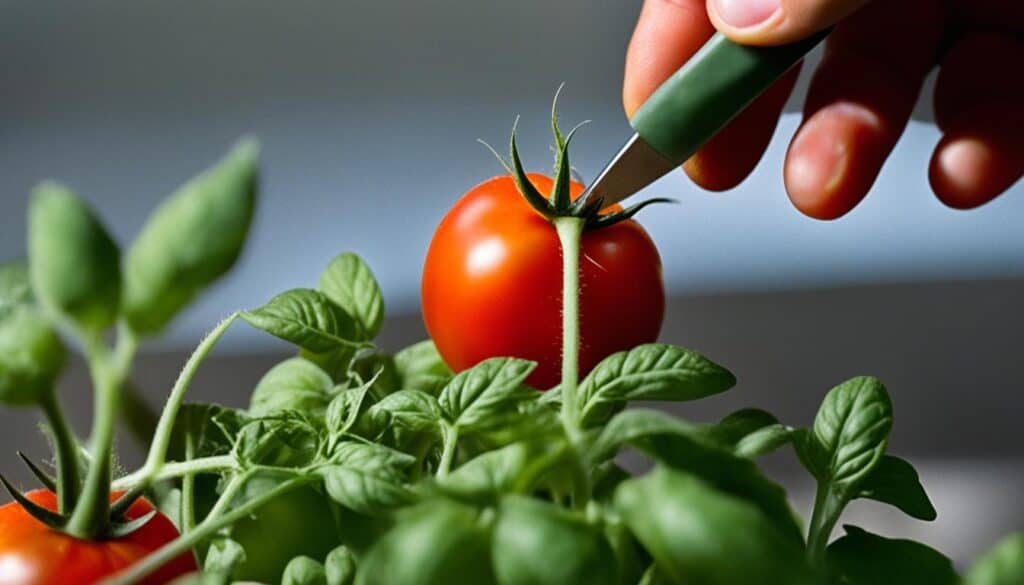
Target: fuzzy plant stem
162 436
108 371
570 232
67 460
451 441
215 521
827 508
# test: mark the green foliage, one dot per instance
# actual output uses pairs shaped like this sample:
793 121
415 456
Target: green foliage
191 240
698 534
31 357
348 282
73 262
1002 565
862 558
303 570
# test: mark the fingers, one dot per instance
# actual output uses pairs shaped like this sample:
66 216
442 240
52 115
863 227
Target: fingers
776 22
978 108
667 34
858 104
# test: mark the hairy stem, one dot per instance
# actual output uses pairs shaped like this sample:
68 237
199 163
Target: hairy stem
108 371
205 529
214 464
68 463
450 437
570 231
162 435
188 485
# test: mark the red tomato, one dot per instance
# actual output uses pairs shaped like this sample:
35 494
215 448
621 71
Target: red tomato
32 554
492 284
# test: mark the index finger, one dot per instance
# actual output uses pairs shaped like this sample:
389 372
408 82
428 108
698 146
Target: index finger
667 34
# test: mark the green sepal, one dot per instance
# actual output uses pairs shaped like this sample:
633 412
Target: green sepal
526 188
47 517
48 481
602 221
122 529
118 508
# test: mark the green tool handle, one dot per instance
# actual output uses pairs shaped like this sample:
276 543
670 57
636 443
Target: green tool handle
712 87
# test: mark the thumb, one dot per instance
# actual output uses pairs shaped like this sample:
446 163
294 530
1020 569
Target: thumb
776 22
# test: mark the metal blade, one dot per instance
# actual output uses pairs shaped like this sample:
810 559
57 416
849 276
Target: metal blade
635 166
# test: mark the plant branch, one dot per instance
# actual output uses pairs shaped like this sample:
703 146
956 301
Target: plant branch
162 435
570 231
108 371
205 529
66 447
827 507
214 464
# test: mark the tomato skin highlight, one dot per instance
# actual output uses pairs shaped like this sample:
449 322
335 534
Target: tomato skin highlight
492 284
32 554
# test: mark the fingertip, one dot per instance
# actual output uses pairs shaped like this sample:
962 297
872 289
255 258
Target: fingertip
667 34
834 159
977 160
776 22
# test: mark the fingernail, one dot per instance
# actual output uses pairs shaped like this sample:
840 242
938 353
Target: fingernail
745 13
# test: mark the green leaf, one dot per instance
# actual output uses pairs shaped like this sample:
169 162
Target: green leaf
294 384
15 287
1003 564
697 534
648 372
735 426
862 558
350 283
380 367
367 478
337 362
652 576
307 319
346 408
420 367
222 556
435 542
285 440
631 425
31 357
74 264
341 566
190 240
515 468
303 570
537 543
477 396
895 482
412 409
684 447
850 434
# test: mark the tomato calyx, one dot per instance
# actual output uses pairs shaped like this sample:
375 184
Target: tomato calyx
560 202
117 525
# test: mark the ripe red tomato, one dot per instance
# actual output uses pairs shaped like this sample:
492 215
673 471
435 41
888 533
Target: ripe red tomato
32 554
492 284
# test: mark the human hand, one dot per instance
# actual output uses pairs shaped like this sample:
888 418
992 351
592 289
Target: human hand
861 95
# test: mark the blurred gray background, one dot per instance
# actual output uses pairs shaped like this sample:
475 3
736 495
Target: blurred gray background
368 113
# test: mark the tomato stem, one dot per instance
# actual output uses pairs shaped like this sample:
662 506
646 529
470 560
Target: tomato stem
108 371
66 447
207 528
188 483
570 232
162 436
212 464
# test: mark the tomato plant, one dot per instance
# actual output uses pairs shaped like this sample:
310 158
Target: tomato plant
492 284
354 466
31 553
